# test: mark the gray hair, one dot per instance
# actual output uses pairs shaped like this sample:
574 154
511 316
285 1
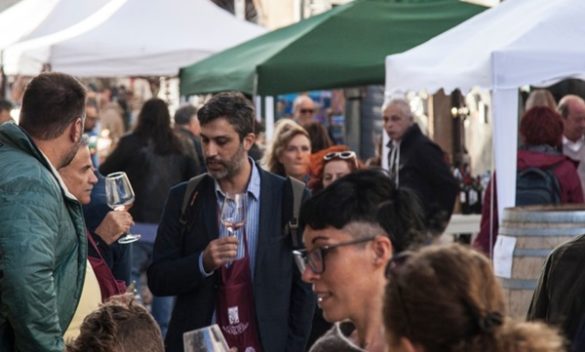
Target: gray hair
185 114
362 229
402 104
301 99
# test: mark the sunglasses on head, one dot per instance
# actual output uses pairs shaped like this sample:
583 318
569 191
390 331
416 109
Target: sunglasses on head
339 155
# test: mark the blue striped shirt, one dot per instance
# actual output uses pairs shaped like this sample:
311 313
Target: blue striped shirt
252 218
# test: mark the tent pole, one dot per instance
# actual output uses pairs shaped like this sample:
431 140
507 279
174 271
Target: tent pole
269 115
258 105
2 76
505 144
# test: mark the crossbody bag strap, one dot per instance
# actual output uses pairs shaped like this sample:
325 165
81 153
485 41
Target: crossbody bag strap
292 226
189 197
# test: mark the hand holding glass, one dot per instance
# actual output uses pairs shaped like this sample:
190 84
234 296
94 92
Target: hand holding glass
120 196
233 217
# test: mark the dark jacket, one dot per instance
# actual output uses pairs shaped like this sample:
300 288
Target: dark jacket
559 298
43 248
284 304
423 168
569 182
151 174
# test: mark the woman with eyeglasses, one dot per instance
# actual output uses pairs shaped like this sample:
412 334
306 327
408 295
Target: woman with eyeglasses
338 162
289 153
447 299
347 250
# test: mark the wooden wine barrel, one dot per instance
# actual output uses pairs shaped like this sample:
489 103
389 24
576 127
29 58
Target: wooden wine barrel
538 230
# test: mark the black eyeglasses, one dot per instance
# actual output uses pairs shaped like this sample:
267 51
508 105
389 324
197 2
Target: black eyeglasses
307 111
315 259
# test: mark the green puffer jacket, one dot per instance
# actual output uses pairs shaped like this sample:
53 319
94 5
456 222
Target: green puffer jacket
43 249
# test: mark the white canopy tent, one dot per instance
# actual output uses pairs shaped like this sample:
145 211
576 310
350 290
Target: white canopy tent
145 38
65 14
56 25
22 18
519 42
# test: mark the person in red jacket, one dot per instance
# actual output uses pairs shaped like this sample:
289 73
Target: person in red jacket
541 130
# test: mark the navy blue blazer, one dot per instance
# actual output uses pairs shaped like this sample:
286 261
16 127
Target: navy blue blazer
284 304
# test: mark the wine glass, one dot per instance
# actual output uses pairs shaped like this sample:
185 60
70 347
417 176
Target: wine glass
120 196
233 217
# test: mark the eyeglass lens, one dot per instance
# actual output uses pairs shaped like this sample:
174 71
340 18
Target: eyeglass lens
314 260
300 260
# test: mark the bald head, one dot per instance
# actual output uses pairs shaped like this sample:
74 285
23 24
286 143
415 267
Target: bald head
572 109
304 109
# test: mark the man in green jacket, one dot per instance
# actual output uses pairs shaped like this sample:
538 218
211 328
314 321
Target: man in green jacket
43 246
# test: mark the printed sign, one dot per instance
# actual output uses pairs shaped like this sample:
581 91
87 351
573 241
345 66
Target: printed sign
503 256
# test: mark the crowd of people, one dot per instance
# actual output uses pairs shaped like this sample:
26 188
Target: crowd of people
366 275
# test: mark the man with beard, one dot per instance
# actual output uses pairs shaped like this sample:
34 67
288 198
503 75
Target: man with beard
259 301
43 246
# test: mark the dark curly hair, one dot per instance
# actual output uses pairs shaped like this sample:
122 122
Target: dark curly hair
234 107
541 125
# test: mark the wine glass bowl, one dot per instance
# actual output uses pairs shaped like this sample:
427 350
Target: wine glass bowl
120 196
233 217
119 192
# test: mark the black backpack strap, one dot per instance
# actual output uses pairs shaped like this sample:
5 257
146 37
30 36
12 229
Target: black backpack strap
297 188
557 184
189 197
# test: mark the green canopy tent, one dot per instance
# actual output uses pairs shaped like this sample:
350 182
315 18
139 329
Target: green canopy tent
343 47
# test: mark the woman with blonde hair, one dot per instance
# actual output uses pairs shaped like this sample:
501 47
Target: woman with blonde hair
289 152
446 298
540 97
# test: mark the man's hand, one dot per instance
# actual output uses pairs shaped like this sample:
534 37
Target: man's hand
114 225
219 252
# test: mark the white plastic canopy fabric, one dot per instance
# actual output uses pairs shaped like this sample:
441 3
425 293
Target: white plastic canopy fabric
517 43
61 22
65 14
156 37
22 18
